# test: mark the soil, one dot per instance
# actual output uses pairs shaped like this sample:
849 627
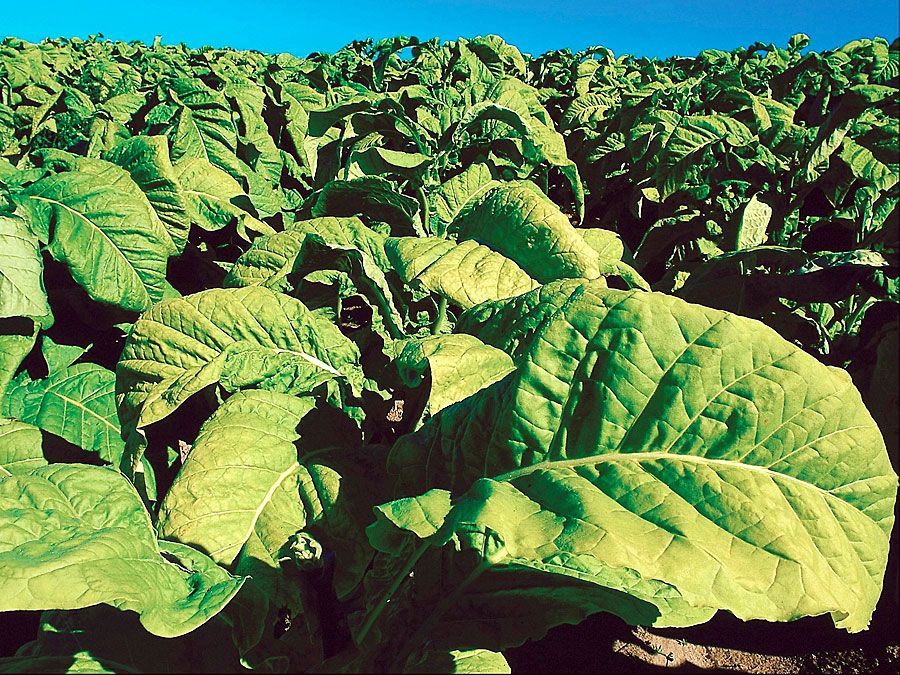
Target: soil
605 644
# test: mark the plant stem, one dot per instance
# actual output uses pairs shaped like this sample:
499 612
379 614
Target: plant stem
441 316
386 596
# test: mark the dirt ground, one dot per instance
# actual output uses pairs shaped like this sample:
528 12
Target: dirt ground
604 644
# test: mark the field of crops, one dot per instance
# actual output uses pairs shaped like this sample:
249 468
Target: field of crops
394 359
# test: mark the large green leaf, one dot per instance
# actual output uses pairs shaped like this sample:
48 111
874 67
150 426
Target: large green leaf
21 285
75 536
369 196
453 194
688 457
244 336
20 447
17 337
204 128
383 161
214 199
466 273
76 403
270 259
457 366
520 222
105 230
146 158
282 261
259 149
516 105
866 166
244 462
258 494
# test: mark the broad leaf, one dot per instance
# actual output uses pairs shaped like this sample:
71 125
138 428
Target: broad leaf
252 337
245 463
21 285
372 197
104 230
457 366
204 128
686 456
146 158
517 220
76 403
213 198
466 273
259 494
20 447
17 337
452 195
75 536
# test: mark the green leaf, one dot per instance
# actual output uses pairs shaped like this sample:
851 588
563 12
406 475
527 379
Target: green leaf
520 222
20 448
456 661
308 251
259 151
452 195
213 198
466 273
249 334
258 493
606 243
146 158
76 403
77 663
458 365
866 166
319 258
371 196
381 161
587 111
21 284
17 337
59 357
270 259
422 515
611 252
204 128
76 535
753 224
685 145
686 456
245 463
105 231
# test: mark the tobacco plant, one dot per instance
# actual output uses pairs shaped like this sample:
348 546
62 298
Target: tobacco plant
395 358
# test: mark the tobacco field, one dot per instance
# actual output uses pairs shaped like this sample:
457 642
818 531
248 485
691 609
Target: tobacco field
397 358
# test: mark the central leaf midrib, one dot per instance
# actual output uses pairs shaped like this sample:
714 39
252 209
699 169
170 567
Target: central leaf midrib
94 226
83 407
660 455
266 500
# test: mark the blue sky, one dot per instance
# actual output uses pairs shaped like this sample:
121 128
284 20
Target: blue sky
642 27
